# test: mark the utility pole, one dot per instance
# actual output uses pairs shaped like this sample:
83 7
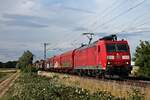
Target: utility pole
89 36
45 44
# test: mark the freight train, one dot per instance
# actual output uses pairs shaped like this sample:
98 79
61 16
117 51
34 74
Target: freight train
106 56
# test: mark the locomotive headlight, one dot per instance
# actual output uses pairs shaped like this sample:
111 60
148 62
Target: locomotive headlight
110 57
125 57
127 62
108 63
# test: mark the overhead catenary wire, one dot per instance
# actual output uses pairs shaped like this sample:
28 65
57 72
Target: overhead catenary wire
135 28
121 14
105 14
135 20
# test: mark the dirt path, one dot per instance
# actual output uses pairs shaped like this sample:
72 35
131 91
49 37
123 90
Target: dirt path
8 70
6 84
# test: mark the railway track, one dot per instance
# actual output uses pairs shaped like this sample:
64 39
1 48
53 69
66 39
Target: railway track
6 84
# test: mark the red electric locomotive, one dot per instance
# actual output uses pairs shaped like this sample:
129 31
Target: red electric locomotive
105 56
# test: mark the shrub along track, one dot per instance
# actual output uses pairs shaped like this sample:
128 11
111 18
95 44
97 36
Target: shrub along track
6 84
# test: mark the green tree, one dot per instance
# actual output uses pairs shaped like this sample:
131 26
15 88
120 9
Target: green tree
25 62
142 57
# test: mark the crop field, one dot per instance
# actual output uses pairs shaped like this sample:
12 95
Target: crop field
34 87
7 80
2 76
5 75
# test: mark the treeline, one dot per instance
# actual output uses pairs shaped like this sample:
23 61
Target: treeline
9 64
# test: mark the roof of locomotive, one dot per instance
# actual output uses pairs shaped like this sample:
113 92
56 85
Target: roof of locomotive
100 40
107 39
114 41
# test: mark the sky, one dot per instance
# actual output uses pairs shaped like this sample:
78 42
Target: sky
28 24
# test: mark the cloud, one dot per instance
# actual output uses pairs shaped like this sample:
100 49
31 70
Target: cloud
80 29
78 10
23 21
21 17
24 24
9 54
12 51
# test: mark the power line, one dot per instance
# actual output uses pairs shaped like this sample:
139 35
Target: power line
134 21
148 22
136 26
139 17
114 18
103 11
105 14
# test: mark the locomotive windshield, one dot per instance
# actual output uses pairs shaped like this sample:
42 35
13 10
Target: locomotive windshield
111 47
117 47
122 47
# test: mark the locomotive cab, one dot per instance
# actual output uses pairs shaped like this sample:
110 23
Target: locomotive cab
115 56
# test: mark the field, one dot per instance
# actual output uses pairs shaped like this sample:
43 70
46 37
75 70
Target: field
7 78
5 73
34 87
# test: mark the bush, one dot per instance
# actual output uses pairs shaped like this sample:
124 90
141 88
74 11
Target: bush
30 69
25 62
104 95
136 95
